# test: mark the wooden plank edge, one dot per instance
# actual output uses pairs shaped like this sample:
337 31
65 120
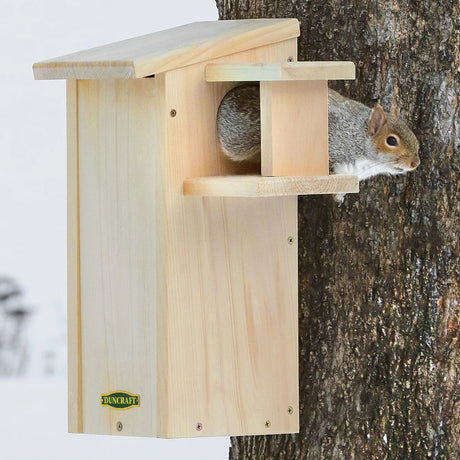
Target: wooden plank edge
48 70
74 333
266 129
241 432
259 186
311 70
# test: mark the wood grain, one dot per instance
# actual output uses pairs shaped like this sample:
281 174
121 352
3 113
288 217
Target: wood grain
232 279
119 132
168 49
260 186
294 128
74 337
319 70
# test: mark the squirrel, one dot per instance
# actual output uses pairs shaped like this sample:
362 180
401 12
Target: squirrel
362 141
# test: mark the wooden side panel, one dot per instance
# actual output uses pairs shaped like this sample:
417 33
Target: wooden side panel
294 128
231 268
120 138
73 265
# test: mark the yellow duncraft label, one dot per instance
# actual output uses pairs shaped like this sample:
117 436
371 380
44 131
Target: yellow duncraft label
120 400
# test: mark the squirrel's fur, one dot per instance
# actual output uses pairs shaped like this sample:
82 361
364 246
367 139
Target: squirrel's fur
360 138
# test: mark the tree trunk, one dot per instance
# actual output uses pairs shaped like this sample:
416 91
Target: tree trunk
379 313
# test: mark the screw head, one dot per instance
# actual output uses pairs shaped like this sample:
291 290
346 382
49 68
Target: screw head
290 410
119 426
290 239
173 113
268 424
199 426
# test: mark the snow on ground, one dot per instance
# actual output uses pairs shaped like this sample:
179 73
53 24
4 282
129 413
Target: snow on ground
33 426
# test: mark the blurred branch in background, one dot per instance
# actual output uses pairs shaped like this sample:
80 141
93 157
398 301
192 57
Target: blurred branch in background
14 320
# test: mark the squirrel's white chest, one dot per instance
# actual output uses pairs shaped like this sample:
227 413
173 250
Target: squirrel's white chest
364 168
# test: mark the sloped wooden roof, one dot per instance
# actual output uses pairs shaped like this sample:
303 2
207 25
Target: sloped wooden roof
166 50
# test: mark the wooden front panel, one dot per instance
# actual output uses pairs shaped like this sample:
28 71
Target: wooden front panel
294 119
118 138
231 274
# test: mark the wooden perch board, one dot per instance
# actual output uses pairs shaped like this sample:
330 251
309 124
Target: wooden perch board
259 186
340 70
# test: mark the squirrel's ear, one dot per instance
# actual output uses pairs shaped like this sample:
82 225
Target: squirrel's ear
377 120
394 110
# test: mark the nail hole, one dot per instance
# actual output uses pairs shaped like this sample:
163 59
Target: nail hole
199 426
173 112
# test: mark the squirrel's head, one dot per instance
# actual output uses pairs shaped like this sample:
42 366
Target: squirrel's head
393 139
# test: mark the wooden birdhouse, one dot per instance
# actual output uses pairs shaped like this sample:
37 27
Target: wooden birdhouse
182 266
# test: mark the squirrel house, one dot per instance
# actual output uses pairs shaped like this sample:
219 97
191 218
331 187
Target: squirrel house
182 299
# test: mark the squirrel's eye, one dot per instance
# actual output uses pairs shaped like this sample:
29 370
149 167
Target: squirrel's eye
391 140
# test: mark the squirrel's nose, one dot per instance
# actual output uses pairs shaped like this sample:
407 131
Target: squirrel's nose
415 162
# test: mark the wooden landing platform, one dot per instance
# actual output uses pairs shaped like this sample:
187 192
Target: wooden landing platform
260 186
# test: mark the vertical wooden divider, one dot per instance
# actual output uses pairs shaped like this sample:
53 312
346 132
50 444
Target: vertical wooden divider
294 128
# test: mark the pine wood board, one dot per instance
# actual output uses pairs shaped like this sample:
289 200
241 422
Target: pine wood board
260 186
286 71
168 49
294 128
74 355
119 132
232 289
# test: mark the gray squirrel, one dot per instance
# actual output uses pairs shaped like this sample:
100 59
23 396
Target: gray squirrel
362 141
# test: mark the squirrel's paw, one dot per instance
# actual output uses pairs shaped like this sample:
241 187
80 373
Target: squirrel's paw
339 198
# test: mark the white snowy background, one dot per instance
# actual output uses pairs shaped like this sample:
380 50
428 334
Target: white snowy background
33 411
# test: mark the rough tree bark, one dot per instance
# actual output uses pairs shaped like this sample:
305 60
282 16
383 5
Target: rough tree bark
379 306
